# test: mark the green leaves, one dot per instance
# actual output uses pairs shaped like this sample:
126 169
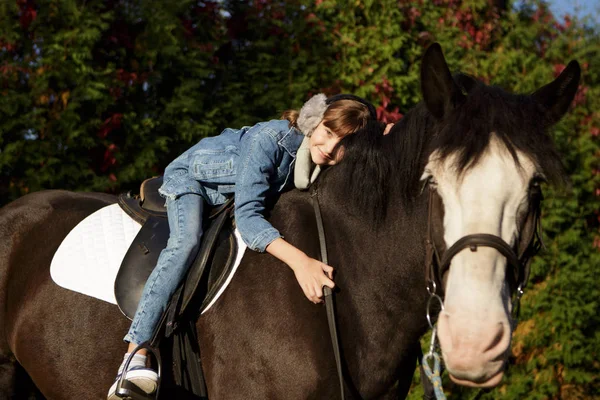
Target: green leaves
100 95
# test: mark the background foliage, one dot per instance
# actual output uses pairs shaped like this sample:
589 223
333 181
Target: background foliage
98 95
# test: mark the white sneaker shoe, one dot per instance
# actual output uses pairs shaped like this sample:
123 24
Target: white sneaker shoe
144 378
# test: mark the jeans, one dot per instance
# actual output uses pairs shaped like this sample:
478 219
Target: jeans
185 222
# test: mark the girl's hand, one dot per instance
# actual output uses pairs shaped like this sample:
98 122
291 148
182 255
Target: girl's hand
311 276
388 127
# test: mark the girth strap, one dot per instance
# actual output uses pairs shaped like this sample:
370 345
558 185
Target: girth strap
328 294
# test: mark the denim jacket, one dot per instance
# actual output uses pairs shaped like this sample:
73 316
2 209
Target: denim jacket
252 163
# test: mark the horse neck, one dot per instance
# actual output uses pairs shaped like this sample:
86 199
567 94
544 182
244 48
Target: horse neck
379 270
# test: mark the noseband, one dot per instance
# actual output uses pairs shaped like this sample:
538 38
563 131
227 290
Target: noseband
518 257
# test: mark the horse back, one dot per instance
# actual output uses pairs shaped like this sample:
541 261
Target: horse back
31 229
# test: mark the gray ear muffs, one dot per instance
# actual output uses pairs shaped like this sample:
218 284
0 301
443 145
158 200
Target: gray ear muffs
311 114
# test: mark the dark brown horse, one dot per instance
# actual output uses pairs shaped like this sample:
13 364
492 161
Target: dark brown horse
481 149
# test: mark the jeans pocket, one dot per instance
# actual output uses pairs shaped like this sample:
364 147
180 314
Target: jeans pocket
210 165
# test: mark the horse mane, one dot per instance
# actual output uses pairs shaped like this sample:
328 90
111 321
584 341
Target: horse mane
365 167
374 164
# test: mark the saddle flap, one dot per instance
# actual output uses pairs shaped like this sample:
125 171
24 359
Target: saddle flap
138 263
216 254
207 273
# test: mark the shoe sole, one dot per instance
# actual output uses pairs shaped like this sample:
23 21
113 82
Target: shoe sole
144 379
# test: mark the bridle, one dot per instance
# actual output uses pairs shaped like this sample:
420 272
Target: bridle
438 259
518 257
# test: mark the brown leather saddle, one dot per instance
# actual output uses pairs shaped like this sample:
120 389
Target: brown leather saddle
212 265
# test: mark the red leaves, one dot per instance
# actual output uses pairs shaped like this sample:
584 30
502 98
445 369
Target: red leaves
565 25
412 15
542 14
188 28
313 21
385 90
596 243
27 12
111 123
206 47
580 96
478 33
8 47
558 68
129 78
109 158
386 116
261 4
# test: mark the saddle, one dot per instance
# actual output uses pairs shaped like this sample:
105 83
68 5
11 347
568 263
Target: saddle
209 270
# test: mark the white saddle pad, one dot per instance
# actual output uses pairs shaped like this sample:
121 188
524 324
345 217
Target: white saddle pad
90 256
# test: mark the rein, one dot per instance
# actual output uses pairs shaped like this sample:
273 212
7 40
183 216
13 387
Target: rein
429 390
327 293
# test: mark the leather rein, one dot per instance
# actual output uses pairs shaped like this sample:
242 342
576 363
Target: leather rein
328 293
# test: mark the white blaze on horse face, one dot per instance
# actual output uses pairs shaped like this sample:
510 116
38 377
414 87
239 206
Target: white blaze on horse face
474 330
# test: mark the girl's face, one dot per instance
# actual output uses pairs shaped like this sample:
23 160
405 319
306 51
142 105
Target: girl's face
322 143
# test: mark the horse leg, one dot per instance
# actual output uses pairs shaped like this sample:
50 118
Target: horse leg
15 384
8 374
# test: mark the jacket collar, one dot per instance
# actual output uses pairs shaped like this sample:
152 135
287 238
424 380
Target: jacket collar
305 171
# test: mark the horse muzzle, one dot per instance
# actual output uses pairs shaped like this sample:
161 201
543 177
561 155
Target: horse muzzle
474 354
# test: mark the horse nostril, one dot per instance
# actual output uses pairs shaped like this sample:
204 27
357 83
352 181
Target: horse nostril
498 338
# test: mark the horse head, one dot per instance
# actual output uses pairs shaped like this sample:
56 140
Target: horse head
458 176
487 155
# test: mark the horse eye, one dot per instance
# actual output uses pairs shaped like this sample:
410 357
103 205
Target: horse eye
431 182
537 180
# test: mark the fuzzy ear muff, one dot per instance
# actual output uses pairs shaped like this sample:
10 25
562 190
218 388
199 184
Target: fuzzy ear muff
311 114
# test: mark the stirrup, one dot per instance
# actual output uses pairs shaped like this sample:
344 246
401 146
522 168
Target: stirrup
130 391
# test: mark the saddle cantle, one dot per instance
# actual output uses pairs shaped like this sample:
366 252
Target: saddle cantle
210 268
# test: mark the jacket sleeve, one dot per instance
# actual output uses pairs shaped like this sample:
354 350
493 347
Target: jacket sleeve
258 165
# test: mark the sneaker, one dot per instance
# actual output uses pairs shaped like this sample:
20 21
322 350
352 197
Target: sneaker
144 378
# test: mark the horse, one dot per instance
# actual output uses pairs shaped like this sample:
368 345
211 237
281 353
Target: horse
480 150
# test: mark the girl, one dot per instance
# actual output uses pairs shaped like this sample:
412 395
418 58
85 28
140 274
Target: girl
252 163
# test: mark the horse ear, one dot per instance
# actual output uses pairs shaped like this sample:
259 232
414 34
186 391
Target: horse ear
557 95
438 88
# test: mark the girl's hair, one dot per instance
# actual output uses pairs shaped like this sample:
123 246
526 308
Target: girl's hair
342 117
